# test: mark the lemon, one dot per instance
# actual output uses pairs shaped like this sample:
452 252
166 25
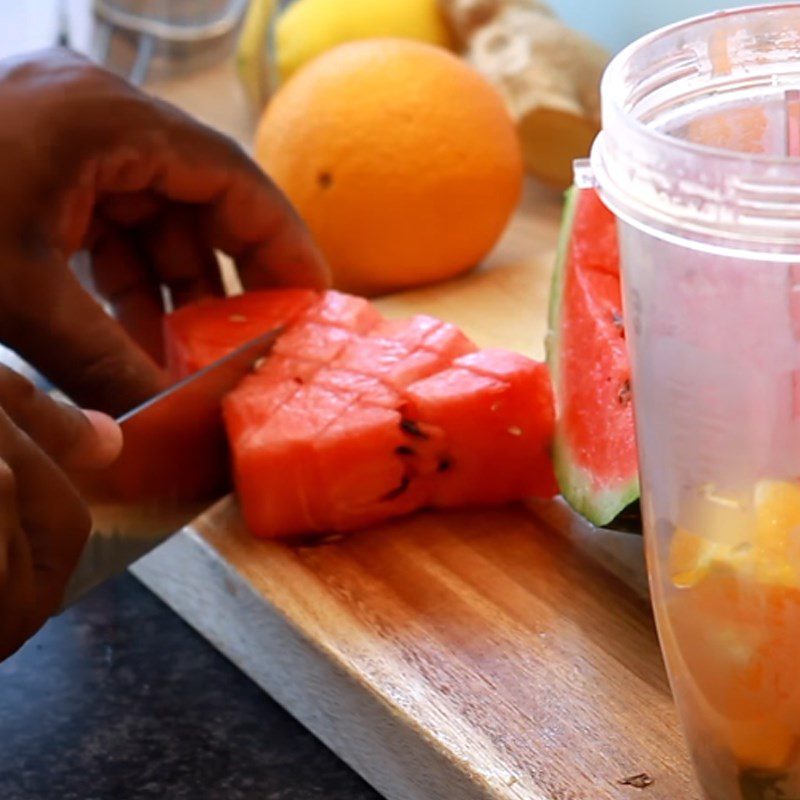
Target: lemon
310 27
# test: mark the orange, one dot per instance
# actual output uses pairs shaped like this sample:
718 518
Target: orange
401 158
736 643
732 627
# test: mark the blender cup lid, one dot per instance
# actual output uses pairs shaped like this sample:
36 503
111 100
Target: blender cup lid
701 132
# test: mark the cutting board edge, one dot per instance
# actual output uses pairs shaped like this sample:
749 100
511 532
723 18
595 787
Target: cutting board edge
356 723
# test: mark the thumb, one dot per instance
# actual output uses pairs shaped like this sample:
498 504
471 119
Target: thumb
100 446
66 335
71 437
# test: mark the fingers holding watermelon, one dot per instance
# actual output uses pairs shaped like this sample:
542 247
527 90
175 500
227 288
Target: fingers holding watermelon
151 194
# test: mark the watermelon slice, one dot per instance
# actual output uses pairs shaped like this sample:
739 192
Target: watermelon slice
493 411
594 448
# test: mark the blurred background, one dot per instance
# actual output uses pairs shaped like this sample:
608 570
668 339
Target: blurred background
615 23
224 61
159 42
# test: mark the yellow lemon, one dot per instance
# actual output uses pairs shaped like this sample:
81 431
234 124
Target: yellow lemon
310 27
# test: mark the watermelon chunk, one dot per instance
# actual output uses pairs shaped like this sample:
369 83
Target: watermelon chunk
594 448
365 478
353 419
276 472
410 332
389 360
495 411
198 334
354 314
449 341
370 390
388 427
362 462
313 341
423 332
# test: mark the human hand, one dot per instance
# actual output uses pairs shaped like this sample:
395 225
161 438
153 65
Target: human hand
90 162
43 522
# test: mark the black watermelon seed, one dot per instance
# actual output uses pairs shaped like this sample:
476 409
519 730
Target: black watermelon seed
404 450
398 490
444 465
412 429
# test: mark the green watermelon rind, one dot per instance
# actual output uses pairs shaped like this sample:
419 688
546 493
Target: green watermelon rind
578 486
557 285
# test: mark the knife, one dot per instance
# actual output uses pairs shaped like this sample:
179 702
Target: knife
173 465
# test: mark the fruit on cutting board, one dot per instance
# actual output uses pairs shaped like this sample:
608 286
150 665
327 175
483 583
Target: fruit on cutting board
401 158
200 333
354 419
308 28
594 449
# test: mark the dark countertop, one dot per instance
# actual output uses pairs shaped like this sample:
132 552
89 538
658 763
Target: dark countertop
118 698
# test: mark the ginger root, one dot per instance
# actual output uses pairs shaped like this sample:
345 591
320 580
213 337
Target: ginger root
548 74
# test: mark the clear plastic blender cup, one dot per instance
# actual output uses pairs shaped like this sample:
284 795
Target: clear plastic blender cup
697 158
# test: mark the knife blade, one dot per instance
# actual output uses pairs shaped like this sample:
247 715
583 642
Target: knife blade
173 465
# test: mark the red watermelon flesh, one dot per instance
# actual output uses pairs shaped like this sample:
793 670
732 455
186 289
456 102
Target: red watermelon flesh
594 447
346 311
299 370
384 452
372 462
449 341
396 351
313 341
389 361
258 397
366 479
198 334
353 419
411 331
370 390
276 470
495 411
425 332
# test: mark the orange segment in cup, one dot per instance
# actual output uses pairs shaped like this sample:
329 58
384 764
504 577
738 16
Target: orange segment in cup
735 624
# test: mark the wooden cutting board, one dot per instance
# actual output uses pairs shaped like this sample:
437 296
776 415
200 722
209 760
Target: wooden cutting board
462 656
